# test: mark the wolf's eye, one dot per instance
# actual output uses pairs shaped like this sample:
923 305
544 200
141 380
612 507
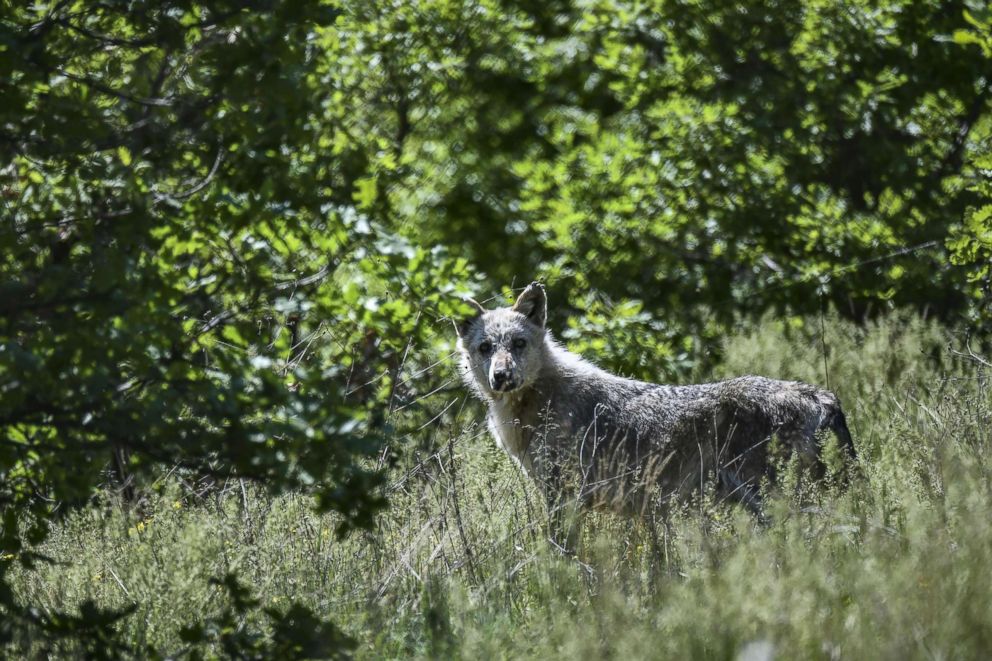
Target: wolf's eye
485 348
519 343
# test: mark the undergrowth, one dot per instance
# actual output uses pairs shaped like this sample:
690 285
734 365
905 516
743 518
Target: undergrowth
894 565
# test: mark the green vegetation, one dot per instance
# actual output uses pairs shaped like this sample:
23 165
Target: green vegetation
894 567
232 236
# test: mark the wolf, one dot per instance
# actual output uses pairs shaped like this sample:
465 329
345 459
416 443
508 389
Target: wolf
600 440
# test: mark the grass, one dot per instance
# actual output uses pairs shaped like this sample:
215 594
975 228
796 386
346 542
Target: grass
894 566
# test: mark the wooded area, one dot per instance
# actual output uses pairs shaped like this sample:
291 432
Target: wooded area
233 235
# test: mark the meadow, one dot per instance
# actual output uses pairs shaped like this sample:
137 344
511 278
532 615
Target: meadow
891 565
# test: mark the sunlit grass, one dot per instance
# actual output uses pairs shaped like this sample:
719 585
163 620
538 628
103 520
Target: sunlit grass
893 566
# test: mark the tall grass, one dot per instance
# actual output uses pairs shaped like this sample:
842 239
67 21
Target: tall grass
895 565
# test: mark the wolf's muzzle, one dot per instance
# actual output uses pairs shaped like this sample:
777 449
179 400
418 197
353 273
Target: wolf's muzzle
502 381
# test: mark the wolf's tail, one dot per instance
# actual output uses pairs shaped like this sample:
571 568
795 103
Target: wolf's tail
837 423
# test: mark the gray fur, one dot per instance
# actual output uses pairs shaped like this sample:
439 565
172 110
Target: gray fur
621 443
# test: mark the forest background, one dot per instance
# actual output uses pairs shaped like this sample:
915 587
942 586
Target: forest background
233 237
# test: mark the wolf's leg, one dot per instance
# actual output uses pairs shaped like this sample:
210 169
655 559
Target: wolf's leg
564 512
745 492
565 522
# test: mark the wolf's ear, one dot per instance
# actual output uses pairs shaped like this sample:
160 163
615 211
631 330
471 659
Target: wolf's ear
462 324
533 304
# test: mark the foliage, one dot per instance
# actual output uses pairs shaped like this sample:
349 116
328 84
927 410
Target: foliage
186 276
698 157
233 235
460 567
972 243
296 633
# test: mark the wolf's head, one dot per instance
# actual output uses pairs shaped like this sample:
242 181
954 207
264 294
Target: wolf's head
502 349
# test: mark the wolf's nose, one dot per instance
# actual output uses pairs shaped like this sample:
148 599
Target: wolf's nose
500 378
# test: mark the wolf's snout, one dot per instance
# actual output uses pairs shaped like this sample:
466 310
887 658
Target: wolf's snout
502 375
502 380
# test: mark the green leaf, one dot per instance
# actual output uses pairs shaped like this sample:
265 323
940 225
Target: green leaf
366 191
